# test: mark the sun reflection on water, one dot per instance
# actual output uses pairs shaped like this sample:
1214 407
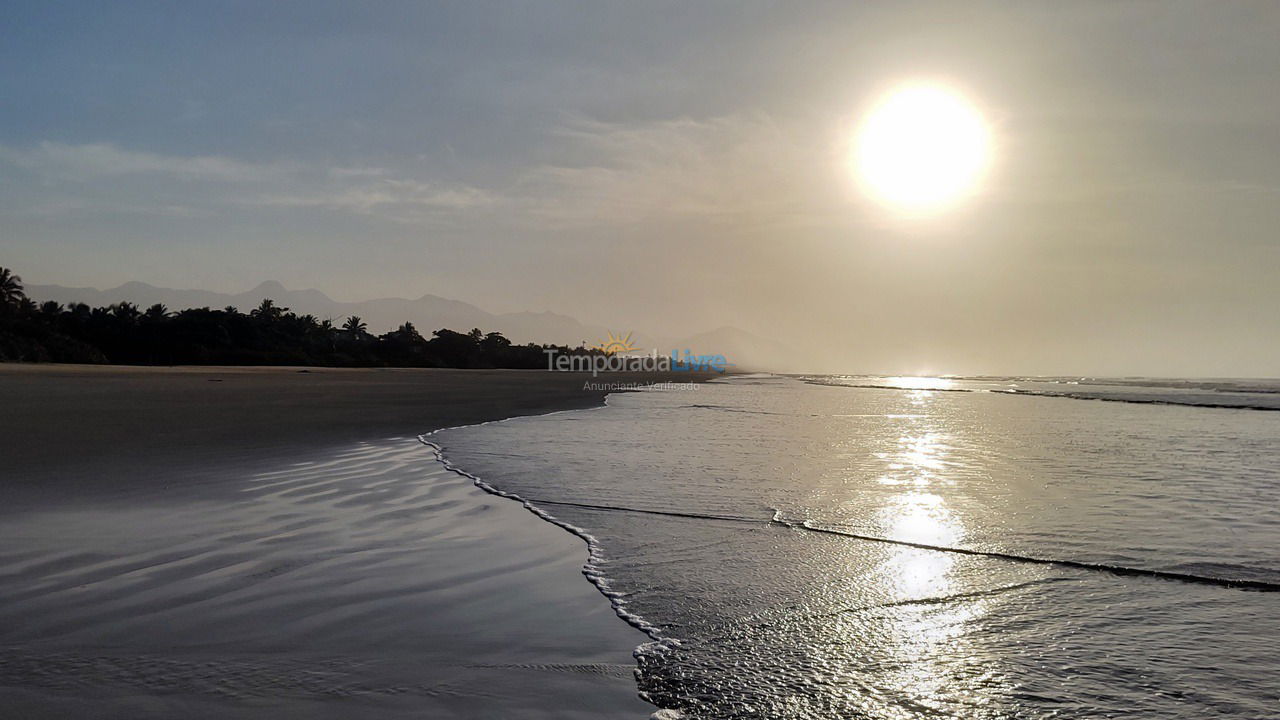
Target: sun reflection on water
911 573
924 628
918 461
911 382
921 517
924 631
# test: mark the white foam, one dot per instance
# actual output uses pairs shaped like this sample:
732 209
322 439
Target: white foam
592 569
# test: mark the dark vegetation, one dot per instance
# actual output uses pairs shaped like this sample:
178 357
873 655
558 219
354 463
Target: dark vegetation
267 335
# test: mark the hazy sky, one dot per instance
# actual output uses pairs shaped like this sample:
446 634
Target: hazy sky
671 168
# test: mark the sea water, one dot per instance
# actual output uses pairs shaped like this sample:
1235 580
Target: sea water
870 547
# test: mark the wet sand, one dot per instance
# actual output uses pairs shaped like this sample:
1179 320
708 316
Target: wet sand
274 543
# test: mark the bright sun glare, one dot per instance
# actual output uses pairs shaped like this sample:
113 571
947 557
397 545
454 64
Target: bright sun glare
921 148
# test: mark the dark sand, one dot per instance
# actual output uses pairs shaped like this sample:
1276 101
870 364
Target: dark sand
238 542
63 424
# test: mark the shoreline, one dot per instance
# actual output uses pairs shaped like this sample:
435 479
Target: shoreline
593 543
531 625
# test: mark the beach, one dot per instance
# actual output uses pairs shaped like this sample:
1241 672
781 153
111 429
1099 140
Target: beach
254 543
277 542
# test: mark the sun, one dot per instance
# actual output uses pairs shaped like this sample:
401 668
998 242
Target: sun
921 148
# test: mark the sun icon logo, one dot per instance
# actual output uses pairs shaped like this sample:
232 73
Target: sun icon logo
615 345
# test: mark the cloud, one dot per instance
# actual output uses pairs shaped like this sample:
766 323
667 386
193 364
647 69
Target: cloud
81 206
347 172
103 178
742 169
731 170
396 199
61 161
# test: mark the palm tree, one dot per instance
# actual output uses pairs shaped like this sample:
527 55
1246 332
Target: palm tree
52 308
355 326
10 288
407 333
126 311
267 310
157 312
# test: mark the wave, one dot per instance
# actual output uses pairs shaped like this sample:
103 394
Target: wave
778 519
591 569
1122 570
726 408
1149 401
1186 393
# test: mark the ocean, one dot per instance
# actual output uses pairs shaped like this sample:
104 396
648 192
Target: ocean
876 547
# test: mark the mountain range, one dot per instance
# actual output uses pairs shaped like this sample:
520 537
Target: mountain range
427 313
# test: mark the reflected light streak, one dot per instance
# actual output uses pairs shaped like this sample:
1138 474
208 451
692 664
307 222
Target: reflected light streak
926 645
909 382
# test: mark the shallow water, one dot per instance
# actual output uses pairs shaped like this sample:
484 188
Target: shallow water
360 581
1001 555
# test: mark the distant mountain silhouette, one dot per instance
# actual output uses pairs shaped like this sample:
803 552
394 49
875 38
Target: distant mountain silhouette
429 312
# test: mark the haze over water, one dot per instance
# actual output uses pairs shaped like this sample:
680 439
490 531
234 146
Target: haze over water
992 555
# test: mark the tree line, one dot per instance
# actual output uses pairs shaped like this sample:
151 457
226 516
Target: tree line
267 335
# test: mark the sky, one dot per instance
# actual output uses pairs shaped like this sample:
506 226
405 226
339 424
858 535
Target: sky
671 168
